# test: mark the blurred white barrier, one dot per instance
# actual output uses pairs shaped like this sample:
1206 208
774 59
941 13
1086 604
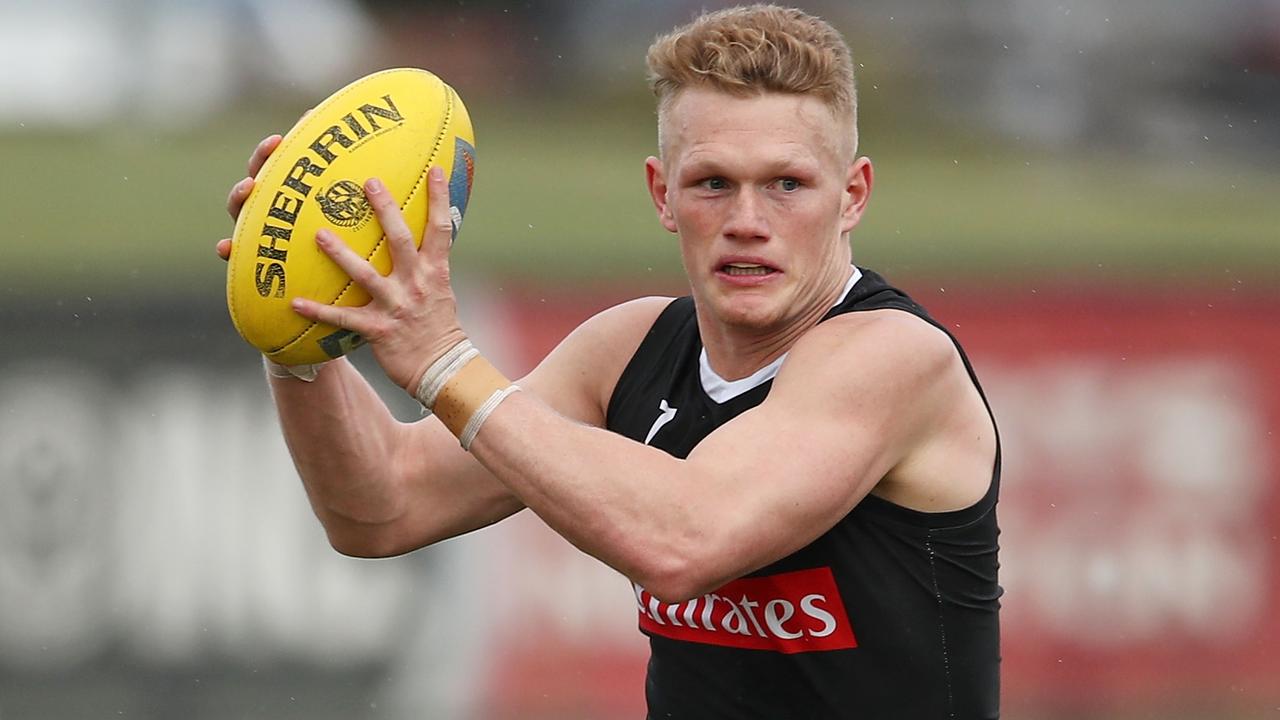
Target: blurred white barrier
166 519
168 63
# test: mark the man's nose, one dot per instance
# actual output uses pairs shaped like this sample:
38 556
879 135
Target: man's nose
747 220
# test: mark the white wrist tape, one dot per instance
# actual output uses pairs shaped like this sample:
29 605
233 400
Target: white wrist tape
440 372
472 428
305 373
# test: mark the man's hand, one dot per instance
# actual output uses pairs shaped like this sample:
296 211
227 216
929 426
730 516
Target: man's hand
412 317
240 191
235 202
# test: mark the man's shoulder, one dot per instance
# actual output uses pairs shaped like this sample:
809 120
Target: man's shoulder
630 319
582 370
613 334
885 353
887 332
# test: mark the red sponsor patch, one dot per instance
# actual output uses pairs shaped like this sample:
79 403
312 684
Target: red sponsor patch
789 613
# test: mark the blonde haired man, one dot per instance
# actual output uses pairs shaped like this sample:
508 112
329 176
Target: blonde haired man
794 466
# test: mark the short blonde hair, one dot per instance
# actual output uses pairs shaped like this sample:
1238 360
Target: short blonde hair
755 49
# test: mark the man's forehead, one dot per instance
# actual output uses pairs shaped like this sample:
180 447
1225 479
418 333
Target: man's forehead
714 153
698 118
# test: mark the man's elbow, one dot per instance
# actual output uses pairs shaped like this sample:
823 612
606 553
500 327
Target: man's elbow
679 578
363 542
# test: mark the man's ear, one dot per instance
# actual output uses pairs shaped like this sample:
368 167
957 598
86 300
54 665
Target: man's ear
857 191
657 182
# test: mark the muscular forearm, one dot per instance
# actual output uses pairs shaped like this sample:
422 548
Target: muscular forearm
342 439
611 497
381 487
757 490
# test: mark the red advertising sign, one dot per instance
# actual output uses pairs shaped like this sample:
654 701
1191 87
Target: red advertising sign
1141 498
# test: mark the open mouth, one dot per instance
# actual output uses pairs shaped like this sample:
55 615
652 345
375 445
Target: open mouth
739 269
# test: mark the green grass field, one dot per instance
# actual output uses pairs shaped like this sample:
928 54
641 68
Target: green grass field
136 211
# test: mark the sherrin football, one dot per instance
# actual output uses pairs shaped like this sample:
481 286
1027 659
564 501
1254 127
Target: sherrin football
393 125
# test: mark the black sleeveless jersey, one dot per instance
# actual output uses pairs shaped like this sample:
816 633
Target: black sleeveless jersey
890 615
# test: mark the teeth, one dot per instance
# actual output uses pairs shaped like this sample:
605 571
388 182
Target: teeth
745 269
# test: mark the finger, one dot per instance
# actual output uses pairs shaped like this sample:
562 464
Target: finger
348 318
223 248
239 193
262 152
439 233
356 267
400 238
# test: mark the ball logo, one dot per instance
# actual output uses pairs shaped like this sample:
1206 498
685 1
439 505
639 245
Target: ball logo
344 204
343 200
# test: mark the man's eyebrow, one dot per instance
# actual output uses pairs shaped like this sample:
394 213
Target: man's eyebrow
701 162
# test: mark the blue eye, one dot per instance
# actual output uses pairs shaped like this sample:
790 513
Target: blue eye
715 183
789 184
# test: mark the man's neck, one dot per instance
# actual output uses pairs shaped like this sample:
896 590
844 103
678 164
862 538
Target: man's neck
735 352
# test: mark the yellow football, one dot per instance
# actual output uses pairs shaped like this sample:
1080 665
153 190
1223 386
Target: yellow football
393 125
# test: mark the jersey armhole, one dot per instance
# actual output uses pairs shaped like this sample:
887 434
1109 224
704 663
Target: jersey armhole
878 295
660 335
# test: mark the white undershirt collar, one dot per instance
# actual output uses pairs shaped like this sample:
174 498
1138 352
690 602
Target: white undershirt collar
722 391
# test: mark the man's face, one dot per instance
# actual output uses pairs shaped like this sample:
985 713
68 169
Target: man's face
762 192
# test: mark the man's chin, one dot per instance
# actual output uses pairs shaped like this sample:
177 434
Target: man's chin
754 314
753 309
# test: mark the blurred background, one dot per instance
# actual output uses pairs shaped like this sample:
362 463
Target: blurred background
1084 190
